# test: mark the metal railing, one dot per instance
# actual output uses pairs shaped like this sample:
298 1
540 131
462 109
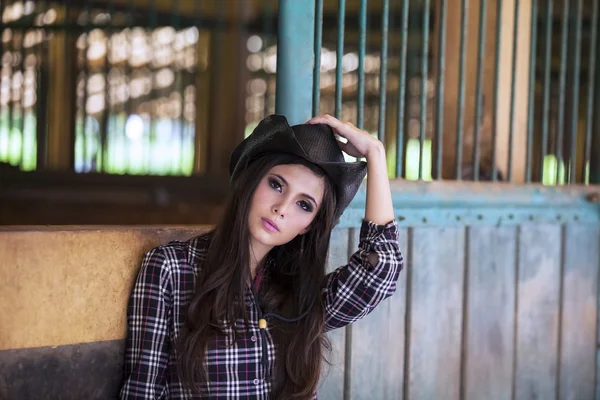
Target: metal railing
550 132
437 81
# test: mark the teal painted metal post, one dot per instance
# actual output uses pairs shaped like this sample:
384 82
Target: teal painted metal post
295 60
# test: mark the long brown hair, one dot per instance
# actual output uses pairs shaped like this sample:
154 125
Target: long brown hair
291 287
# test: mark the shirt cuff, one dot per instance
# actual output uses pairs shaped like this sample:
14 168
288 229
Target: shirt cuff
373 235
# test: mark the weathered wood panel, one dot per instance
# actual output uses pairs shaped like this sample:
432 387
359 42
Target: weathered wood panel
538 311
489 336
378 345
436 295
332 381
579 311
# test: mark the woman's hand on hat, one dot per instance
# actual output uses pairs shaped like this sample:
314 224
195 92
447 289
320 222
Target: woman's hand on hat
360 143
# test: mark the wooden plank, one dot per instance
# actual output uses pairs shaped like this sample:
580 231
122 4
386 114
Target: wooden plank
377 370
435 313
579 311
331 386
490 313
538 311
597 374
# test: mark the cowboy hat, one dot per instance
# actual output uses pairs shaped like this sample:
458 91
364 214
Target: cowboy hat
314 142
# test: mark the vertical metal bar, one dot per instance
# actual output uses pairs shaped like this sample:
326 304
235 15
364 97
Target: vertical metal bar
401 91
591 84
362 44
269 34
339 58
561 92
595 151
152 96
547 84
11 76
86 77
575 104
441 67
296 22
424 80
41 107
383 69
461 88
317 63
2 6
531 95
478 89
511 119
179 85
102 158
21 68
154 15
128 106
496 86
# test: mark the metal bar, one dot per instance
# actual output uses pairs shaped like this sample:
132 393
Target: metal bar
575 104
478 89
154 15
11 76
42 117
339 59
128 108
461 88
152 129
441 67
401 91
86 76
362 44
496 87
317 63
595 158
424 79
383 69
41 108
180 83
561 92
591 84
296 22
531 95
21 125
547 84
268 38
511 118
105 122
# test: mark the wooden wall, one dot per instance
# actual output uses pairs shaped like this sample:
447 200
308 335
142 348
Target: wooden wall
480 313
498 300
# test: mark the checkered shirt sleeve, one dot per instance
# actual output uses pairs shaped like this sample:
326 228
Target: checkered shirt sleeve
354 290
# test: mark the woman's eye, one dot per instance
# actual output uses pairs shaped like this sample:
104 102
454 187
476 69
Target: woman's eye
305 205
274 184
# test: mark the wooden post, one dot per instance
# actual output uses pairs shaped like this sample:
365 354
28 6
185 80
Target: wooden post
521 97
61 98
203 91
226 119
452 86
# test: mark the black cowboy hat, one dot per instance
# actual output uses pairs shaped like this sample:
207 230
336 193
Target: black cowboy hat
314 142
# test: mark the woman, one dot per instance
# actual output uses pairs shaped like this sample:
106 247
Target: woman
242 312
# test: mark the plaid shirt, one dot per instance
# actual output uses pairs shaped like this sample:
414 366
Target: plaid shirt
165 285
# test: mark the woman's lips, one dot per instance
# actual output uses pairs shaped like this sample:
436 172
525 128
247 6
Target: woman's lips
270 225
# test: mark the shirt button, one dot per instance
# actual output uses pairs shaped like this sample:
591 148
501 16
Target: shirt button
253 338
256 381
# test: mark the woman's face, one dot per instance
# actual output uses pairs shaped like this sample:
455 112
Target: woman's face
284 205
